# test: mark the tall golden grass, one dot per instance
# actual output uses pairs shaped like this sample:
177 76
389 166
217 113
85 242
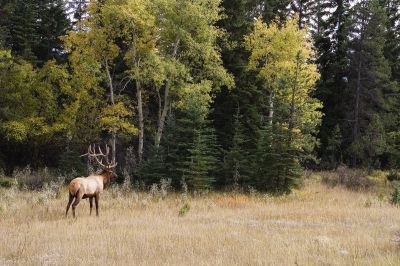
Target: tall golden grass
316 225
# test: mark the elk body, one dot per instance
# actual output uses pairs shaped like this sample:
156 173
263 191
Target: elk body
92 186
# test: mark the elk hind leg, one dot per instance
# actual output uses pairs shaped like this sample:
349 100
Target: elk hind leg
71 198
78 198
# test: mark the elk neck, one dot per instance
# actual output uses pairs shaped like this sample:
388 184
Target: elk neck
106 176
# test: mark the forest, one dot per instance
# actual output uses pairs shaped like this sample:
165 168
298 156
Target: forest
207 94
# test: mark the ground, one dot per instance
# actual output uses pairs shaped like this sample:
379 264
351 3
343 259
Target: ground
316 225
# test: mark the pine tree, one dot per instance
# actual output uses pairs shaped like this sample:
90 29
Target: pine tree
333 156
154 168
305 11
369 78
53 24
34 27
276 166
23 24
392 40
199 173
332 43
237 159
392 54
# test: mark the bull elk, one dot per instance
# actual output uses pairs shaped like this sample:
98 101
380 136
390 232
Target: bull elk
91 186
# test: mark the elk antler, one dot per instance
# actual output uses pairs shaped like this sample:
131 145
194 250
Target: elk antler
92 154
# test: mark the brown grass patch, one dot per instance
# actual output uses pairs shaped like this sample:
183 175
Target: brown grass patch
315 225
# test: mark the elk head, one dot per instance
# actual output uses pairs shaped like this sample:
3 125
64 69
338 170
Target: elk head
107 167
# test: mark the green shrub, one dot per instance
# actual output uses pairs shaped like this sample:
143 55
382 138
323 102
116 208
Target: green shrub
395 196
393 176
184 210
7 182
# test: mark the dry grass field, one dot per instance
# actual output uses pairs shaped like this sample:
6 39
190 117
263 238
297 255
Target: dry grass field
315 225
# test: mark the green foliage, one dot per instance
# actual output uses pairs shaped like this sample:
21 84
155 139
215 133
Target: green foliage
333 149
154 169
275 165
33 28
393 176
190 144
6 182
184 209
367 95
70 162
114 118
281 56
23 115
237 159
186 66
202 161
395 196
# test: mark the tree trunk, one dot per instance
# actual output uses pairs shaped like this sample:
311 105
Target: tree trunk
357 111
271 107
139 98
356 125
163 116
113 134
292 102
141 121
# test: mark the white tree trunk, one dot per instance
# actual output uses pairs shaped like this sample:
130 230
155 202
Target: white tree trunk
113 134
163 116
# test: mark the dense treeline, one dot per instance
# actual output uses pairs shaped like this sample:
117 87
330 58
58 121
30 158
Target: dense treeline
207 93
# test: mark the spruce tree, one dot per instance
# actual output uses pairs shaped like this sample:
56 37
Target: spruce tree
369 79
332 42
237 159
276 166
53 24
392 38
153 169
199 173
33 28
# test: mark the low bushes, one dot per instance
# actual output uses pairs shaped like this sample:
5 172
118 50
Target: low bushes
353 179
7 182
37 179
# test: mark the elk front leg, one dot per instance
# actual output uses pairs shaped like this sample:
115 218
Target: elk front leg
96 199
91 204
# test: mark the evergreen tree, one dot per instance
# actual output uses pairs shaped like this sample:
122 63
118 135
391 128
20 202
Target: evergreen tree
392 38
392 54
305 11
199 173
34 27
369 74
333 156
247 92
53 24
237 159
332 43
23 25
276 166
154 168
282 56
190 141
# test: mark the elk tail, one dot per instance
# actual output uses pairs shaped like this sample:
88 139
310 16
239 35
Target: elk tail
74 189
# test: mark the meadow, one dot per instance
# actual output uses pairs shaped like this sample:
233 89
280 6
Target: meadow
315 225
